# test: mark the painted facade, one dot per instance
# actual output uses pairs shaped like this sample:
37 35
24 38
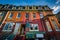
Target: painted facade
30 23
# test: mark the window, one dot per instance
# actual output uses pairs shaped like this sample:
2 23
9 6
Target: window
18 15
11 15
27 15
17 27
30 7
40 8
46 8
13 7
0 7
8 26
48 26
36 7
55 25
5 7
34 15
41 15
0 13
23 7
33 27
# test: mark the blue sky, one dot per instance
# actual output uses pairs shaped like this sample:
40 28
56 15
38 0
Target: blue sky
53 4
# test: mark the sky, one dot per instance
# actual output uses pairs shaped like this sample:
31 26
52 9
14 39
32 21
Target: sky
53 4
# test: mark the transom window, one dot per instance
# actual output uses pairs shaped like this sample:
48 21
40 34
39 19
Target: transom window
18 15
33 27
27 15
8 26
11 15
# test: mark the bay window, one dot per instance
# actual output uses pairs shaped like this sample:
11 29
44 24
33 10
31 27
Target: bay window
33 27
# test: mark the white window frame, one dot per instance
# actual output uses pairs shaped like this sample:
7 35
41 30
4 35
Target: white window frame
41 15
7 28
17 15
34 29
9 15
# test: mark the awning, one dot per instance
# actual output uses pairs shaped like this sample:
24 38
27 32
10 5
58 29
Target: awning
30 35
34 34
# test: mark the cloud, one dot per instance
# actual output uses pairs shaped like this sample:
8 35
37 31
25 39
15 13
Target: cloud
55 8
57 1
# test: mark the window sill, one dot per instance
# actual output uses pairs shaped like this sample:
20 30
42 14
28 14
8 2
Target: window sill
57 30
49 30
6 30
34 30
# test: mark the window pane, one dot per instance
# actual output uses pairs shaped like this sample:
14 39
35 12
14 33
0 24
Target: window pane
18 15
27 15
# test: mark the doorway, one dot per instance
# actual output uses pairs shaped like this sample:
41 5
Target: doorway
22 30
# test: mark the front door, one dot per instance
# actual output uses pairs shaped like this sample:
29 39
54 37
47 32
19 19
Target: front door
22 29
